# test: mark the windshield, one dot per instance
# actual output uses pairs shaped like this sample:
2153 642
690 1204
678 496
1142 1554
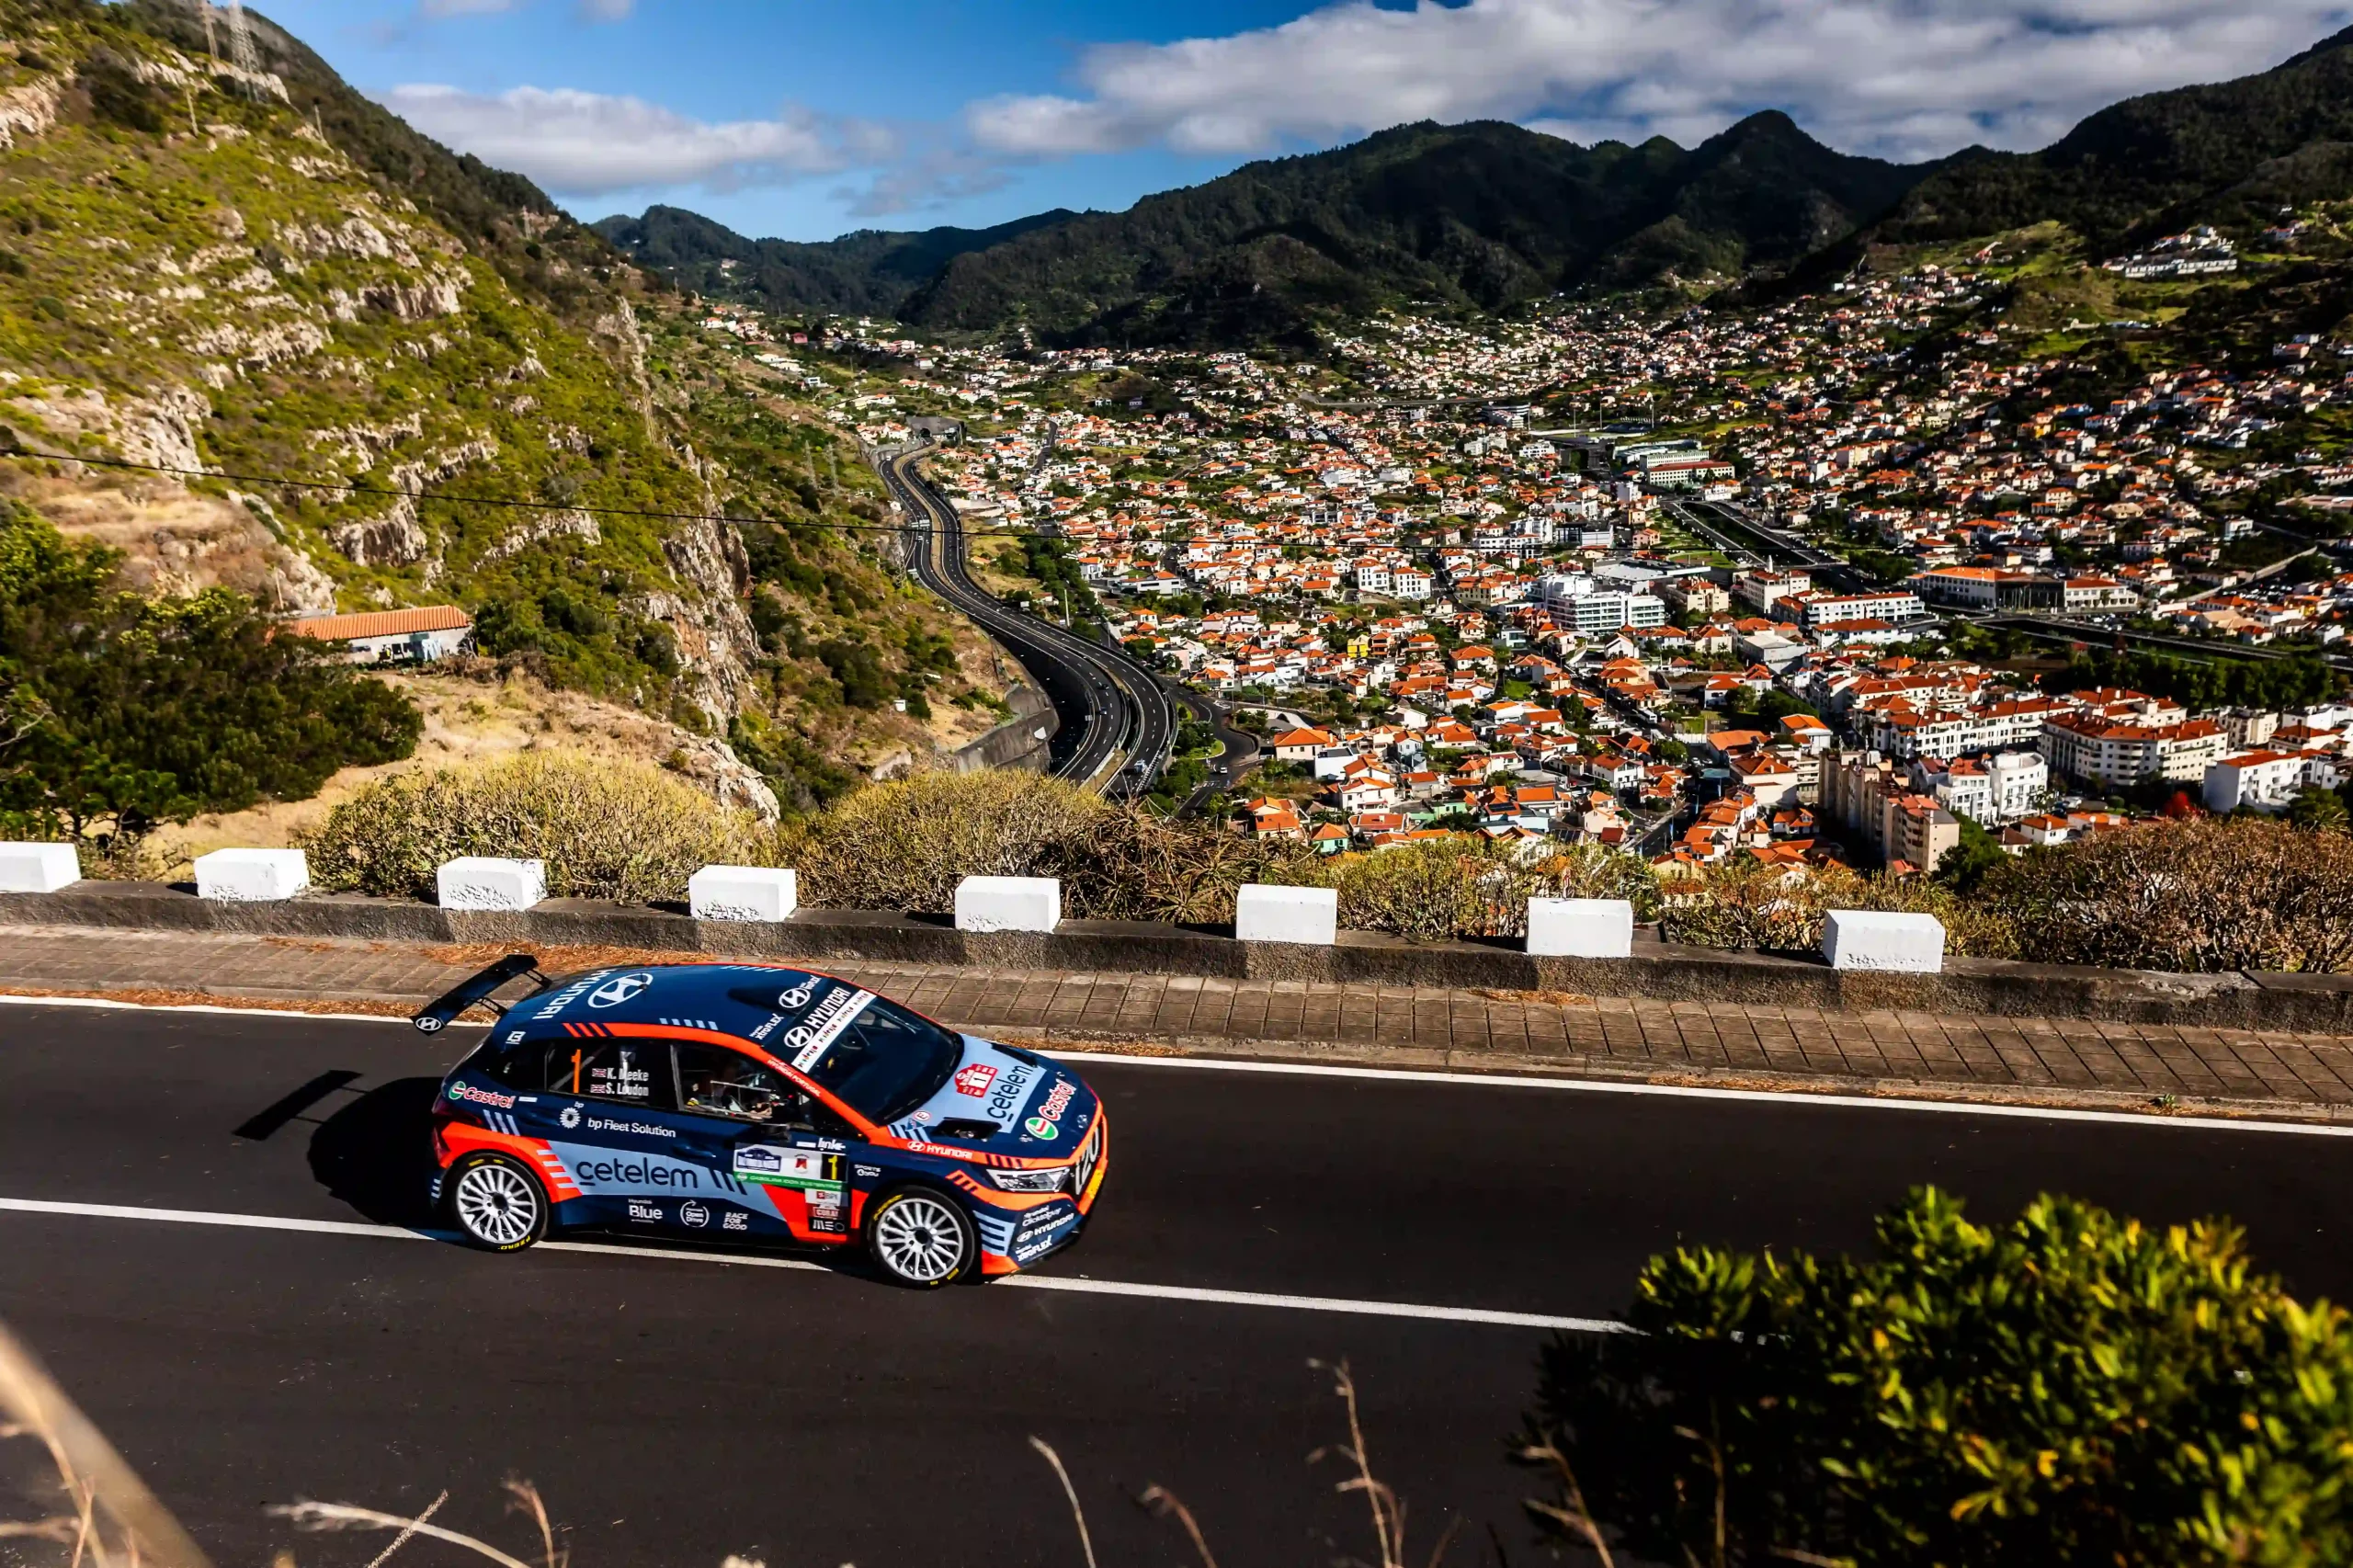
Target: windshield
886 1063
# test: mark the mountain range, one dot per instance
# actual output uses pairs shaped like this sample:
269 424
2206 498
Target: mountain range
1486 215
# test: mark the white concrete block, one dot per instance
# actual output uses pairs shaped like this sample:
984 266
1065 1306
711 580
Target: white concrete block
1880 939
488 882
252 875
765 894
1008 903
38 868
1266 914
1581 928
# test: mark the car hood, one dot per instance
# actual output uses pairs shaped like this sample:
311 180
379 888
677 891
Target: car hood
1040 1111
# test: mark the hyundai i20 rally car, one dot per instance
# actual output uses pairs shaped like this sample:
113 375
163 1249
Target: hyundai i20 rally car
744 1101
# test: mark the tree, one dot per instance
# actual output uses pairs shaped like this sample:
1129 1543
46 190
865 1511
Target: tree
2071 1387
2322 810
128 713
1967 863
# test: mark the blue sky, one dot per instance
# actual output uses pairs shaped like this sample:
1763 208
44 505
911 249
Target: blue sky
806 117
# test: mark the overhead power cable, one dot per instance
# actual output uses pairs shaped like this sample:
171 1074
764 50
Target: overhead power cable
347 487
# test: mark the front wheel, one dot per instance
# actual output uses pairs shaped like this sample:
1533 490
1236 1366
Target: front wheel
921 1239
499 1205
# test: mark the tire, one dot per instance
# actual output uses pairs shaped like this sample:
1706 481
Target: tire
920 1237
496 1204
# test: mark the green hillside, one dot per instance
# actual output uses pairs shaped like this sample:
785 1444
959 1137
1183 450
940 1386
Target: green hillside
2230 152
870 272
1471 216
272 275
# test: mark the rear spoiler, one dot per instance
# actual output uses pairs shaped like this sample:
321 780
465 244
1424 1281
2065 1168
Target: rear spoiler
443 1010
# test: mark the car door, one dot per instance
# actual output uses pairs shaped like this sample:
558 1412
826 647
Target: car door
778 1159
609 1113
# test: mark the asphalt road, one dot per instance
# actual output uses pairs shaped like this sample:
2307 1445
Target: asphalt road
1106 702
675 1409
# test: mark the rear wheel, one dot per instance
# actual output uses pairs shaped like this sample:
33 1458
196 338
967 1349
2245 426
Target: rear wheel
499 1205
921 1239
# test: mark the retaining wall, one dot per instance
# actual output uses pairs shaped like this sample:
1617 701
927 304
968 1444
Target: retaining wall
1656 970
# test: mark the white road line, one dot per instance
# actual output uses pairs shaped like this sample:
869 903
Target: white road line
109 1003
1073 1285
1682 1091
1078 1056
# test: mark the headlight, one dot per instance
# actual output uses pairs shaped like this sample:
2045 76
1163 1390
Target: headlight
1031 1181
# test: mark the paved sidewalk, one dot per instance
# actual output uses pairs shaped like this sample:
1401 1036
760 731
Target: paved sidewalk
2029 1059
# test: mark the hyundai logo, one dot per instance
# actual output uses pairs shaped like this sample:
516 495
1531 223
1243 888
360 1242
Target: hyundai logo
619 989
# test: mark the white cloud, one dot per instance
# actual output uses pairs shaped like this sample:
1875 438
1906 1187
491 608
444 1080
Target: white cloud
1899 78
578 143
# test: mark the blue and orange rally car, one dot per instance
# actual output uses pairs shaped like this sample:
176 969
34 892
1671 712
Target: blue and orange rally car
719 1100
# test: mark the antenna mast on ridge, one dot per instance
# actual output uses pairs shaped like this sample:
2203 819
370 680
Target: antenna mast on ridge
241 47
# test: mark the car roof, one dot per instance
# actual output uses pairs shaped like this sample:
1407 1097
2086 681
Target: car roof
733 999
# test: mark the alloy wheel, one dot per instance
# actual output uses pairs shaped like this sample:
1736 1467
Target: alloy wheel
496 1204
920 1238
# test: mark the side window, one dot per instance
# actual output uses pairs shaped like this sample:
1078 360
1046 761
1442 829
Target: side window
718 1081
629 1071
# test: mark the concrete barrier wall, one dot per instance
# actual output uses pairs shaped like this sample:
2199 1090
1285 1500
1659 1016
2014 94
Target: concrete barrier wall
1656 970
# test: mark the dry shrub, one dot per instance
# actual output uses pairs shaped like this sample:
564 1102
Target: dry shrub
1743 903
1465 886
606 829
2197 896
905 844
1142 867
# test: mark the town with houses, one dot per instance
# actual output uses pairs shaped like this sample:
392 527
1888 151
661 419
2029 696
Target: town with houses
1777 582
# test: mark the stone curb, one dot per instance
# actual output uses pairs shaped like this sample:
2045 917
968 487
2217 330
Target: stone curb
2319 1004
1568 1068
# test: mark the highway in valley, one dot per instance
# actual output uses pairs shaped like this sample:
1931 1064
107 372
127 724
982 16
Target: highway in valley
212 1230
1113 711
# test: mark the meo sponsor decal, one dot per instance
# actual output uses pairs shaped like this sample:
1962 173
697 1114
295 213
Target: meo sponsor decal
768 1166
807 1040
975 1080
472 1095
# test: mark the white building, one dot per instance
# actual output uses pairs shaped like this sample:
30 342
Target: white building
392 636
2268 780
1988 790
1895 604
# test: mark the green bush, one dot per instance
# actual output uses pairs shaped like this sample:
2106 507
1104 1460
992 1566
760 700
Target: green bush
607 828
120 713
2069 1388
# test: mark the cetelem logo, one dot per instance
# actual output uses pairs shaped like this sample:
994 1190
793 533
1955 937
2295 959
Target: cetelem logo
619 989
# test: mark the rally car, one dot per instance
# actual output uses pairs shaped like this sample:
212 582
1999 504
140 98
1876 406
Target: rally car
761 1103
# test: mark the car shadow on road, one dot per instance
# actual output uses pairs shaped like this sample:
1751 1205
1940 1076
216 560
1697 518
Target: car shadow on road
376 1153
